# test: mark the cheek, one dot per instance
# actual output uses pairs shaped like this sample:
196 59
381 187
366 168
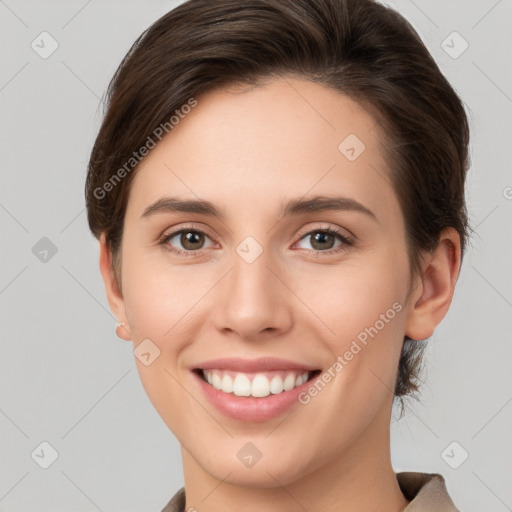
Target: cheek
347 300
361 311
160 307
158 296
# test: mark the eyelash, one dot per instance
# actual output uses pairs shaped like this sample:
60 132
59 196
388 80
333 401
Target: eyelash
347 241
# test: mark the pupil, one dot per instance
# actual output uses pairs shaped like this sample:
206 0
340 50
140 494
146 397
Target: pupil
320 237
190 238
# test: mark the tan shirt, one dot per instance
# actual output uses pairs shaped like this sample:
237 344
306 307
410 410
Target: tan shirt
425 491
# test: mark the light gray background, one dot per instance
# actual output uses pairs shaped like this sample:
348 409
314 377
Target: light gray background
65 377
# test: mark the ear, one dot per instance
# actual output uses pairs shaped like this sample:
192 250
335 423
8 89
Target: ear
112 288
434 289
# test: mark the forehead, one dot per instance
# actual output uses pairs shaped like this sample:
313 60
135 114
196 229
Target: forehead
285 138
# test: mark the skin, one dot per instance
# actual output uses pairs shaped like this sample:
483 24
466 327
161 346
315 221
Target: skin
247 151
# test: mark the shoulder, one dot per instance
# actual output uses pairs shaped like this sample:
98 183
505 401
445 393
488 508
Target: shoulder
177 503
425 491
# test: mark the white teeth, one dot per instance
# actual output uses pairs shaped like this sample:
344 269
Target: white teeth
276 385
242 385
227 384
259 387
301 379
289 382
216 381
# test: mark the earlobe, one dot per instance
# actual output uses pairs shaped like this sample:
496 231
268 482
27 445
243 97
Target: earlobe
112 289
435 288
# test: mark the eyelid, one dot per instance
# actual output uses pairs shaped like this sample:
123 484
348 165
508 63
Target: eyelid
174 230
343 232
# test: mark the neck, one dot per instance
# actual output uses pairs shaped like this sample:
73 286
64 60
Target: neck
362 479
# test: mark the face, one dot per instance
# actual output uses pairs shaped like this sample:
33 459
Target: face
271 287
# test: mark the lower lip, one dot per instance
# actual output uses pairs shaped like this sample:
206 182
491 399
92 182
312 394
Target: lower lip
246 408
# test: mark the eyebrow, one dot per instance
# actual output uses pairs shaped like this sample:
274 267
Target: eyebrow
292 207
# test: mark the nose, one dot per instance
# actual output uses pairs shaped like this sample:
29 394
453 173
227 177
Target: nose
253 301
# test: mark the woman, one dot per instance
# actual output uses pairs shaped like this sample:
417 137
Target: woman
240 137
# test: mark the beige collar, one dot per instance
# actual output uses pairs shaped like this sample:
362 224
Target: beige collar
425 491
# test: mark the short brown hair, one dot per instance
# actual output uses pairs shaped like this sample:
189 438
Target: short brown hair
358 47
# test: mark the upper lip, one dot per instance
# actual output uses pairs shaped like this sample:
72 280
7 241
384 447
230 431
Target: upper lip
253 365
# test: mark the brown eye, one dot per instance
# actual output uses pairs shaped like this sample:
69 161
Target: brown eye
324 240
192 240
185 241
321 240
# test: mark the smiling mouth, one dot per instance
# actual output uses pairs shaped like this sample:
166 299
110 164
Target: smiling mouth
255 384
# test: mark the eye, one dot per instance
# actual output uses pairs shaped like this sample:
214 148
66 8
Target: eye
323 240
191 240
